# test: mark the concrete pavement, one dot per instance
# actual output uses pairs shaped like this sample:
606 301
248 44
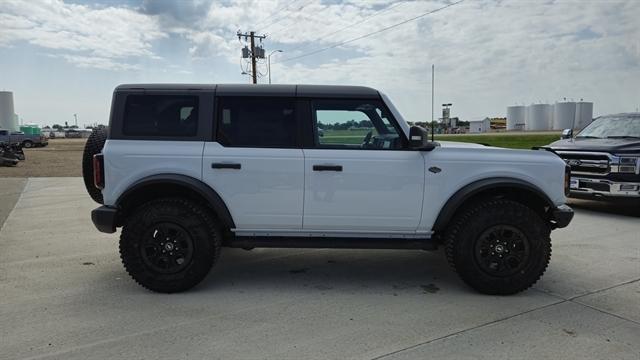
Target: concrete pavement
65 295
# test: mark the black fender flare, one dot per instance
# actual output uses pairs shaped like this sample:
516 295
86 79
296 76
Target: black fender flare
212 198
468 191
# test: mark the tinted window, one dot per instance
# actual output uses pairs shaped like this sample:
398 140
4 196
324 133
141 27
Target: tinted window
161 115
355 124
613 127
256 122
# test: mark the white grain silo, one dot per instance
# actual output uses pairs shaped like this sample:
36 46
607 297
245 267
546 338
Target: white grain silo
564 114
584 114
516 117
7 113
538 117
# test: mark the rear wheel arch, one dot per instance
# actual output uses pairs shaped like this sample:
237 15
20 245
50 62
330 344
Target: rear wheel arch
508 188
167 185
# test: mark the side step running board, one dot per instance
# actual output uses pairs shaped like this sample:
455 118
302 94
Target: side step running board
328 243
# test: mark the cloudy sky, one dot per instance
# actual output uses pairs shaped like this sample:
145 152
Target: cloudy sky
65 57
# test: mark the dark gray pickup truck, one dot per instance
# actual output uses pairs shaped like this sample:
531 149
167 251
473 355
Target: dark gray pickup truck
604 157
18 137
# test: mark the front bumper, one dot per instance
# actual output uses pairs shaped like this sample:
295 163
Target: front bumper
104 219
604 188
561 216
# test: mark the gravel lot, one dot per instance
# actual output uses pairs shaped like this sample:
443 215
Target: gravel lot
62 157
65 295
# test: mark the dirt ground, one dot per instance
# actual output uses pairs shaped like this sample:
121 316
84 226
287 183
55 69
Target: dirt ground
62 157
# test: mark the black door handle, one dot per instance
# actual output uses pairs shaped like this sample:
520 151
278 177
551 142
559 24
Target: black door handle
327 167
225 166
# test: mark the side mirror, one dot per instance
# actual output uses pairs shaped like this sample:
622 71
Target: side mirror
419 139
566 134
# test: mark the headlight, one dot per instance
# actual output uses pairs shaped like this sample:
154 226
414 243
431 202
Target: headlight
629 164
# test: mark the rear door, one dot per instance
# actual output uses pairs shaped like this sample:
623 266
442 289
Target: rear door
360 175
255 162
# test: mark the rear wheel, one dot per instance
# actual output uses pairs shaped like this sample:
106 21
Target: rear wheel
27 144
169 245
498 246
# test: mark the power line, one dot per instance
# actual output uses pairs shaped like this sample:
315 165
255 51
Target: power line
284 16
379 12
275 12
371 33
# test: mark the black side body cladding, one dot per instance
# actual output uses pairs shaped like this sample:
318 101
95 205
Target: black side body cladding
467 192
213 199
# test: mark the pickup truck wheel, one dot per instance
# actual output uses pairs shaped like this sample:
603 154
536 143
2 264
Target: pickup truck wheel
93 146
169 245
498 247
27 144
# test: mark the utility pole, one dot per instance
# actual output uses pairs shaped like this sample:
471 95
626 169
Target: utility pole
254 52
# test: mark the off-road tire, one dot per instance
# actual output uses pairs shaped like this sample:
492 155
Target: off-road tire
93 146
468 228
198 223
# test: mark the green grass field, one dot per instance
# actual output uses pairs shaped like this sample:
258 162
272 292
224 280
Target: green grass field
506 140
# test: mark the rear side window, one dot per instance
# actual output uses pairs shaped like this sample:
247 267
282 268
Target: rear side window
161 115
256 122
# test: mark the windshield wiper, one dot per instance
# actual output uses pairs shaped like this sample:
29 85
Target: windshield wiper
587 137
623 137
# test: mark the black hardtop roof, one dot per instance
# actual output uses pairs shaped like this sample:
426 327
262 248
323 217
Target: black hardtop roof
262 89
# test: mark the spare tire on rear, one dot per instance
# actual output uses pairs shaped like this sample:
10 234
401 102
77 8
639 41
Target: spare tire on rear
94 146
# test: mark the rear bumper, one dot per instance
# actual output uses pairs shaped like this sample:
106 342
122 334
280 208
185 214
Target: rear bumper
104 219
561 216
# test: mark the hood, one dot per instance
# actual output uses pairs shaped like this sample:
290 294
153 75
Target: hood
606 145
455 144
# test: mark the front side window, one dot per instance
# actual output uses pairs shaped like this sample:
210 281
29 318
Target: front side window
256 122
355 124
161 115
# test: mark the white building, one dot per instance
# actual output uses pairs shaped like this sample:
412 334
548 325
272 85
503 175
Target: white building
479 126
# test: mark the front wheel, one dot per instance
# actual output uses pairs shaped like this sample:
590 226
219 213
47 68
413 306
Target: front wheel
498 246
169 245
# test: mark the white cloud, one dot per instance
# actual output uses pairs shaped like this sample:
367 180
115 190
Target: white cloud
88 35
488 54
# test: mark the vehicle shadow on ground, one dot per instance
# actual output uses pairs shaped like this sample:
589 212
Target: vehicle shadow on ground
351 271
623 208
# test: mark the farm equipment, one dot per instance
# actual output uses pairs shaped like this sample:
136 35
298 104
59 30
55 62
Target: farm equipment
10 154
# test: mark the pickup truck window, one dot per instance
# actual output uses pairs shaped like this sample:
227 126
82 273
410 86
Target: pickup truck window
612 127
354 124
256 122
161 115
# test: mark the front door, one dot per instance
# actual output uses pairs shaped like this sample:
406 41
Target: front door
360 175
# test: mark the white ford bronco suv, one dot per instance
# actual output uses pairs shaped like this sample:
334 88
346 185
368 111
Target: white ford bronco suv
188 169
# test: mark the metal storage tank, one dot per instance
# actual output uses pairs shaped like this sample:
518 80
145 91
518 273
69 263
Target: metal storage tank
538 117
7 113
516 117
564 114
584 114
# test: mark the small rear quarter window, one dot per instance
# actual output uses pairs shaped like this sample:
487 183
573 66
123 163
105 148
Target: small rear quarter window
161 115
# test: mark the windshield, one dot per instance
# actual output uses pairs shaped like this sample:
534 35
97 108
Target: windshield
612 127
